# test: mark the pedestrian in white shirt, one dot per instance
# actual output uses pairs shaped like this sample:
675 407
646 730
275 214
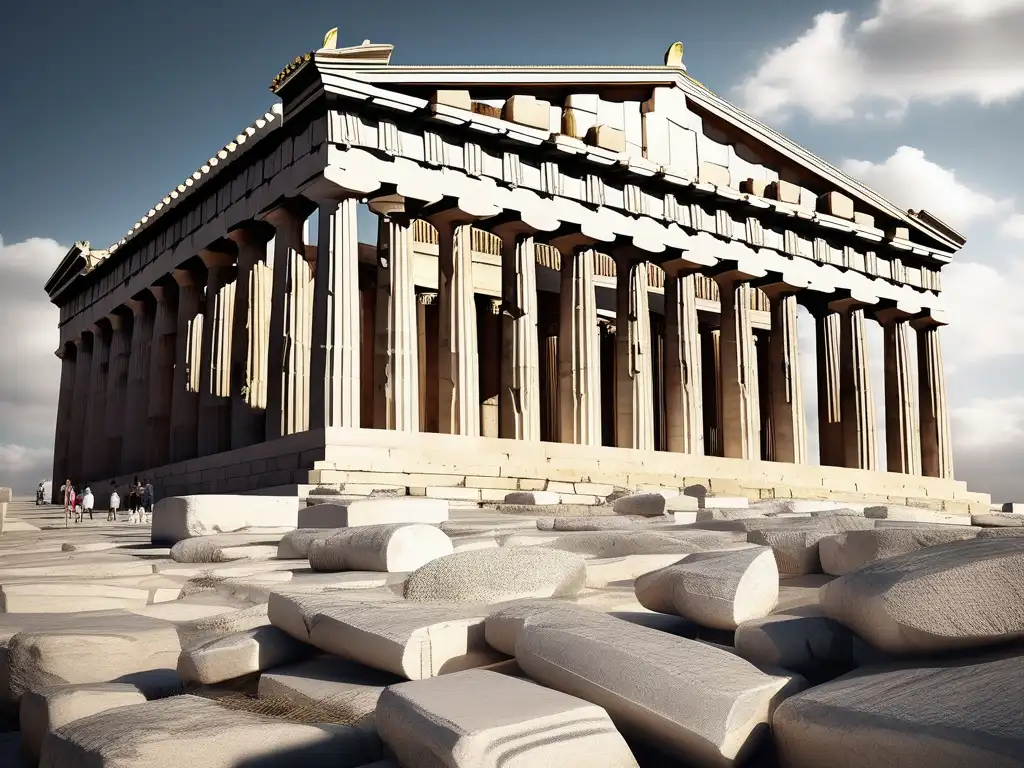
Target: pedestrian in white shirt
88 501
115 502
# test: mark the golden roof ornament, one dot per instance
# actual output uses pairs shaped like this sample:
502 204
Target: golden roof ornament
674 56
331 38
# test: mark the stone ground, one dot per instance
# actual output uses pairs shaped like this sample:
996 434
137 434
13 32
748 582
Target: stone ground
655 642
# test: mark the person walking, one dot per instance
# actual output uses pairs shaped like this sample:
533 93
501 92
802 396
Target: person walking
146 498
69 501
88 501
73 501
113 504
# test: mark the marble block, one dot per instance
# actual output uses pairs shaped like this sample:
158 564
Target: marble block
844 553
180 517
236 655
722 502
353 513
391 548
641 505
480 719
539 498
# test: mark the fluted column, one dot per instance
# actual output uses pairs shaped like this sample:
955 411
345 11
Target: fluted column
902 434
290 326
860 439
741 414
579 358
488 315
520 399
187 364
549 384
95 423
334 358
788 420
936 446
117 390
634 387
250 337
396 400
80 406
427 334
161 374
63 427
133 454
458 374
684 398
828 338
215 374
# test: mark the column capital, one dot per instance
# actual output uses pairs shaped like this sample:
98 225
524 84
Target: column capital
510 226
336 184
217 255
889 312
136 305
929 318
390 207
288 210
452 212
160 293
847 304
775 285
184 277
730 275
681 266
251 232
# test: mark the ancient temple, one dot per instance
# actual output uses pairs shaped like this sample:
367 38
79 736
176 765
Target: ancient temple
460 281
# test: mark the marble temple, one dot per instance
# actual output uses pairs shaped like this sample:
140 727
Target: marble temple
582 278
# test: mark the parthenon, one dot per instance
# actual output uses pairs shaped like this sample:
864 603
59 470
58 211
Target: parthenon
579 275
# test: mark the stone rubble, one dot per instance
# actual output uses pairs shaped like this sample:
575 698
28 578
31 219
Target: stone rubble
483 639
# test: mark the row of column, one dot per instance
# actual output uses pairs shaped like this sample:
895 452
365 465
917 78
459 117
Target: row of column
235 352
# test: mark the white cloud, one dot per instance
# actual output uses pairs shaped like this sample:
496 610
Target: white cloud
989 445
986 316
1013 227
30 376
908 51
911 180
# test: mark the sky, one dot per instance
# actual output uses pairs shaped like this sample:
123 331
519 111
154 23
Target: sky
108 105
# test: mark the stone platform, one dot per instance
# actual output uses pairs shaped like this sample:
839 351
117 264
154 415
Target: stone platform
482 470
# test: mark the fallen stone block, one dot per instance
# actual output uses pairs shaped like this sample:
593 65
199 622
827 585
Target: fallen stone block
165 732
998 520
68 597
294 611
707 513
900 512
214 549
1000 533
440 722
597 523
555 510
337 690
942 715
295 545
811 507
698 703
494 575
89 648
605 544
844 553
803 640
376 511
53 707
602 572
682 503
960 595
722 502
796 551
641 505
478 528
799 591
391 548
536 498
244 653
181 517
413 640
720 590
504 624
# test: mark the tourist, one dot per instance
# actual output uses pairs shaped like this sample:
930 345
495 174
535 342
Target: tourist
115 502
88 501
134 501
147 500
71 509
68 493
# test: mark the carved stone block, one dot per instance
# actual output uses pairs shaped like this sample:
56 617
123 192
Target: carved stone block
711 173
754 187
784 192
864 219
457 99
529 111
607 137
836 204
898 233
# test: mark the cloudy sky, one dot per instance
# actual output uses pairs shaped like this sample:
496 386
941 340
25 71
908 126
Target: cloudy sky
109 104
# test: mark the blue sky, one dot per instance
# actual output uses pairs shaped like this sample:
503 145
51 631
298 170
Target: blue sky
110 104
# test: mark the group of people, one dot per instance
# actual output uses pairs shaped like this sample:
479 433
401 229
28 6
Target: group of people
138 503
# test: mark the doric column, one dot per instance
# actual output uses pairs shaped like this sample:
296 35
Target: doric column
579 356
290 325
427 356
133 454
187 364
549 384
520 400
936 447
334 358
117 389
634 387
902 435
458 374
828 338
860 439
788 420
711 384
488 315
161 374
684 398
741 414
215 374
396 400
250 337
63 429
80 406
95 423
